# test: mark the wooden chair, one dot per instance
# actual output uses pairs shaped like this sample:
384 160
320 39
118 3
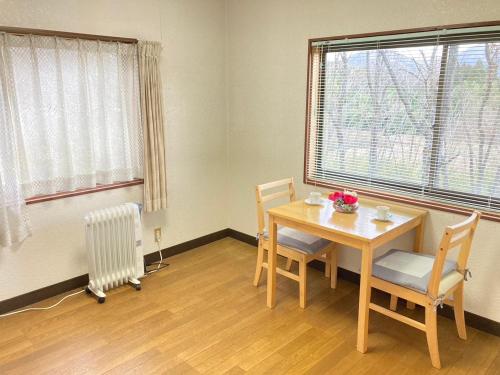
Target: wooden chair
292 244
428 281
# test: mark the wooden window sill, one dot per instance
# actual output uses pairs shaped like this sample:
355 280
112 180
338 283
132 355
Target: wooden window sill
67 194
487 215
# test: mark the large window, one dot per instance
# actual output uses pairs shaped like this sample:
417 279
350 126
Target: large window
74 106
415 114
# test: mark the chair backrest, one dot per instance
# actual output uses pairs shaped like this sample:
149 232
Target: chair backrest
261 198
455 236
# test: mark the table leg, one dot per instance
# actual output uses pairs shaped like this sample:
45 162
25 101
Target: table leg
271 263
417 247
364 298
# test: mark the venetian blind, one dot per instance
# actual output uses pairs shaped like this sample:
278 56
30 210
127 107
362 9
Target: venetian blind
415 114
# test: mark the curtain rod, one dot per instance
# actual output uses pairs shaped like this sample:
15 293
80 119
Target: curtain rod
64 34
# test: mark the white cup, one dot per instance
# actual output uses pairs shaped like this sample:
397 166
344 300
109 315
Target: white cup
315 197
383 212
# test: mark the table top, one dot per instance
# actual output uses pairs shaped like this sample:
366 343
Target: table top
360 224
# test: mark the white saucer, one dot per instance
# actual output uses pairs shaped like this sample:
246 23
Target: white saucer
374 217
311 203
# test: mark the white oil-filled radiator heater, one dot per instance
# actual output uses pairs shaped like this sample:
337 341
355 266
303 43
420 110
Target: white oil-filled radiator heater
114 247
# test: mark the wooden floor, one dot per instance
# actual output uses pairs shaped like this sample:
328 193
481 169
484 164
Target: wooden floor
202 315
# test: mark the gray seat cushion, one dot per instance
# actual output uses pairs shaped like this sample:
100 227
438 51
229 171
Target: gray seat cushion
408 269
304 242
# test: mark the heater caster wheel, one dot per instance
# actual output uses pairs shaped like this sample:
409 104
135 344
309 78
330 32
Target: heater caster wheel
101 300
138 287
87 290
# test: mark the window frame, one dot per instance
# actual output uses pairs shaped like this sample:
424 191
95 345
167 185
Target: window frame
433 193
74 193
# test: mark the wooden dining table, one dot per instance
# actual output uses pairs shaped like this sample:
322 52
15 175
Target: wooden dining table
358 230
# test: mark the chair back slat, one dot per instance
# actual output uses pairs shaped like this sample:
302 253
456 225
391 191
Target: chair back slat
274 196
459 239
264 198
273 184
455 236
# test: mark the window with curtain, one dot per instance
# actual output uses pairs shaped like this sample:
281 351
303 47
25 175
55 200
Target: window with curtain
74 107
413 114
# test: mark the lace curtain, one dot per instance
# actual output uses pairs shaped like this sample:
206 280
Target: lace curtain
72 117
14 225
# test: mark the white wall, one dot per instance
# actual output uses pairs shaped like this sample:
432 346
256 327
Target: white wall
193 35
211 172
267 63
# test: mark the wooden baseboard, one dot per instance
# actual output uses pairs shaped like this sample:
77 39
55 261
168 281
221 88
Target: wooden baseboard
472 320
243 237
188 245
38 295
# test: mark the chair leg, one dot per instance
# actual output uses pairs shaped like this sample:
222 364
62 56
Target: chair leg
302 282
328 264
258 267
288 266
333 268
431 333
458 309
394 302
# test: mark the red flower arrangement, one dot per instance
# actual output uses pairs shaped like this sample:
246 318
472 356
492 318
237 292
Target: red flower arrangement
346 201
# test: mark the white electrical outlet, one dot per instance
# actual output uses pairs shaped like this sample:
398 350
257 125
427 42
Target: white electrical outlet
157 234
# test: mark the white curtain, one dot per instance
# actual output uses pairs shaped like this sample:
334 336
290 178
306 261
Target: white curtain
79 114
14 225
70 119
